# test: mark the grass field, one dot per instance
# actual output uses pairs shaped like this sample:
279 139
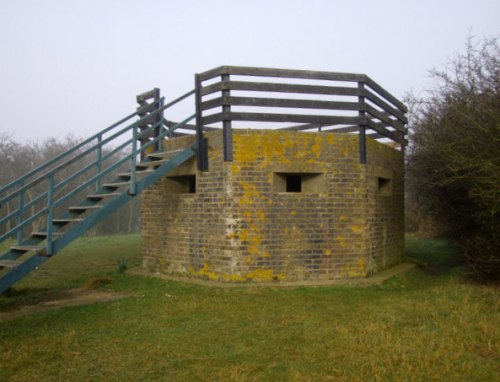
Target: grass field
426 325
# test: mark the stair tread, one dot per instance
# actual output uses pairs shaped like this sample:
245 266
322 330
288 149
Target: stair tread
44 234
116 184
9 263
140 172
153 163
101 196
66 220
163 154
25 248
85 207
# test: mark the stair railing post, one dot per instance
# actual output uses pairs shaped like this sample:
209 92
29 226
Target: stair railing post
20 214
226 123
98 162
160 141
362 124
50 213
157 119
133 162
201 143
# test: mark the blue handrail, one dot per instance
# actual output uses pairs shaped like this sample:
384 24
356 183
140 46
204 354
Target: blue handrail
42 190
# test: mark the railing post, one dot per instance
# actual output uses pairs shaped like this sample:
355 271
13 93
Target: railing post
227 134
98 162
20 215
160 141
157 121
202 146
50 214
133 162
362 124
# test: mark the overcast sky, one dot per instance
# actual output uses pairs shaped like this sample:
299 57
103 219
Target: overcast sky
75 66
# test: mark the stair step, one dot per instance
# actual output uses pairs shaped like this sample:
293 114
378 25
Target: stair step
9 263
154 163
115 185
84 208
25 248
44 234
66 221
164 154
129 174
102 196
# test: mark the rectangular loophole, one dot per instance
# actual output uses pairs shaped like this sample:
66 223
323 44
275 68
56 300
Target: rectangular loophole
384 186
299 182
183 184
293 183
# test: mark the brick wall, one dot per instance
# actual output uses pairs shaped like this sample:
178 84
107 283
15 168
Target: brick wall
291 206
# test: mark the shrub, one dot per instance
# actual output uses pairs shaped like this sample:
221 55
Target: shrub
454 157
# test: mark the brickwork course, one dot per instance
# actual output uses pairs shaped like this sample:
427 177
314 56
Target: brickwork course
291 206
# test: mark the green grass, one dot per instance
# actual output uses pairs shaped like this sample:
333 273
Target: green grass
426 325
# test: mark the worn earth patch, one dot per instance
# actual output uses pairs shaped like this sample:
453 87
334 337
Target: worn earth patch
86 295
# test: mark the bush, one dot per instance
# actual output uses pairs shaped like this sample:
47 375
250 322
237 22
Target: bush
454 157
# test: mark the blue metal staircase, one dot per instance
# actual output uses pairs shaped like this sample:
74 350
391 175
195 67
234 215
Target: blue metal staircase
52 205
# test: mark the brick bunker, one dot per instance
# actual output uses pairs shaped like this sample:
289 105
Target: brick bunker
282 205
290 206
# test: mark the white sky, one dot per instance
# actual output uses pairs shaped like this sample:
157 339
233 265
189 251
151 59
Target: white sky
75 66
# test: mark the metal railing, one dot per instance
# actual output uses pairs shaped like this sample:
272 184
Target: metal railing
52 186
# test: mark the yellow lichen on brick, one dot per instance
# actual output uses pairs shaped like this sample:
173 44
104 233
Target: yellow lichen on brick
206 272
263 275
357 228
362 265
328 252
235 168
341 240
316 148
250 192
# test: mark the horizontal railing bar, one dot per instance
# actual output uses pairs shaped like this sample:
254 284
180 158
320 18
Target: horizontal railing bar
171 124
385 118
146 95
384 105
146 108
280 88
384 93
272 117
382 130
346 129
183 124
280 102
212 73
281 73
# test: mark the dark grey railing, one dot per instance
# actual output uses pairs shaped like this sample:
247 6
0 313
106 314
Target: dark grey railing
342 102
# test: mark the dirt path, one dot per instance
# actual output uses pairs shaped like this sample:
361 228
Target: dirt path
55 300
